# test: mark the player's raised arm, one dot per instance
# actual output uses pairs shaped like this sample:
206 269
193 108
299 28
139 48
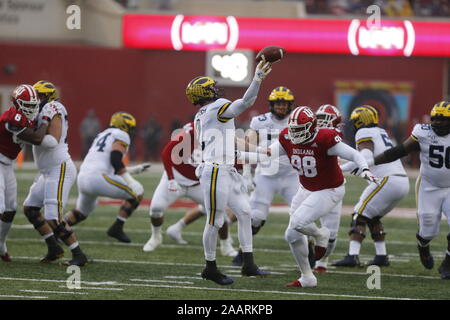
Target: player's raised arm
240 105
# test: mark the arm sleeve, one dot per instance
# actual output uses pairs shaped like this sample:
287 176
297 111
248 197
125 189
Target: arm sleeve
348 153
240 105
116 160
350 166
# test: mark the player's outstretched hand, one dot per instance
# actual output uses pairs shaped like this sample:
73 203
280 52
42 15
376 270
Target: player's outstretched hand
173 186
262 70
368 175
139 168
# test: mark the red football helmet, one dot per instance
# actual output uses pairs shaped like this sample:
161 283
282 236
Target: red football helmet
301 125
26 100
328 116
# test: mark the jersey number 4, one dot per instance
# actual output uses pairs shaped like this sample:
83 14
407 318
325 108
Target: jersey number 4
101 143
437 153
306 166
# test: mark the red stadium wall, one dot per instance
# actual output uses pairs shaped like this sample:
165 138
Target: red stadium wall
152 83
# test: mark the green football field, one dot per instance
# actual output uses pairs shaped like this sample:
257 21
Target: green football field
172 272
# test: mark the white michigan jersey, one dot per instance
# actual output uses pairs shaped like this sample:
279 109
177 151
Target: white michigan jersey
381 142
268 129
46 158
98 158
215 134
434 155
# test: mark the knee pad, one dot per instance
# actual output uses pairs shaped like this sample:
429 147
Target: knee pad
130 205
77 215
62 232
8 216
330 248
376 229
291 235
156 212
357 224
34 216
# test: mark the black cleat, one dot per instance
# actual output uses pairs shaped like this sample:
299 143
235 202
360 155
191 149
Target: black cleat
254 271
79 260
54 253
311 254
348 261
238 260
216 276
425 257
116 232
444 268
379 260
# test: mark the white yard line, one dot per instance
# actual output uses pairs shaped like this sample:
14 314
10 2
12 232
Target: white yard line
25 297
201 265
220 289
164 281
96 288
58 292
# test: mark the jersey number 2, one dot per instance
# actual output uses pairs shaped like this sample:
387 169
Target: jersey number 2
306 166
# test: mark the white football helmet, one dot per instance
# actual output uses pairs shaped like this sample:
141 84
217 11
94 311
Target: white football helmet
328 116
301 125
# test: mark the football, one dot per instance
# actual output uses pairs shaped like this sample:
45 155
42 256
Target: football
271 54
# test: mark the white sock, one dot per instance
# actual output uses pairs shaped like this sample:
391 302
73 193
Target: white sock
180 224
74 245
48 235
245 233
122 218
380 248
156 230
355 247
210 241
4 229
448 253
299 250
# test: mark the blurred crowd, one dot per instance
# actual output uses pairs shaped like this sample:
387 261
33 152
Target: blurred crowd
391 8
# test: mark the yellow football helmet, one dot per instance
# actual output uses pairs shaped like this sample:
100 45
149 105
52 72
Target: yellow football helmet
364 116
201 89
46 90
440 118
281 94
124 121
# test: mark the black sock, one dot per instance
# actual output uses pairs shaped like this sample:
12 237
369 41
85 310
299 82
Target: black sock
76 251
247 257
51 241
211 264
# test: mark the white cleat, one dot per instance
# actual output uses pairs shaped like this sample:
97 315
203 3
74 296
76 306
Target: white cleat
226 248
304 282
154 242
174 232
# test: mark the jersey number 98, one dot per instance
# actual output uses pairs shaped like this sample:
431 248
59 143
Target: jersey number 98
306 166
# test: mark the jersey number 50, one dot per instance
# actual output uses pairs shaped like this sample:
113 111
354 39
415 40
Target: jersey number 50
306 166
436 154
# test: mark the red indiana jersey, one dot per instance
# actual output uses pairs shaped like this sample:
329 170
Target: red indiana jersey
317 170
174 150
16 122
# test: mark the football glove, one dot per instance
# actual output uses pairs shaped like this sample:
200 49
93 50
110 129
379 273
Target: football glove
262 70
48 112
139 168
368 175
173 186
